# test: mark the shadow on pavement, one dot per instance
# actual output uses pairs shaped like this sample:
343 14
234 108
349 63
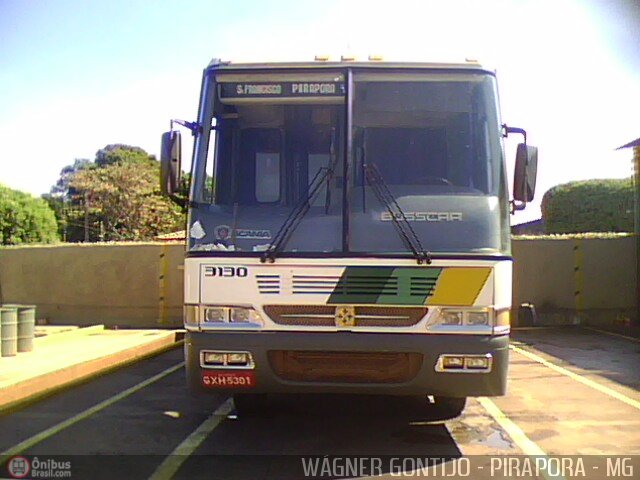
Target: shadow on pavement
335 431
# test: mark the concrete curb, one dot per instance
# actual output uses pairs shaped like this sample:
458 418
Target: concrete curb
40 386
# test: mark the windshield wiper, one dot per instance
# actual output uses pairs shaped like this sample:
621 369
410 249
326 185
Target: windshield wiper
290 223
399 219
296 215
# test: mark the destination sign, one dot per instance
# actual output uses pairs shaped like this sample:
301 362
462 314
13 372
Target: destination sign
282 89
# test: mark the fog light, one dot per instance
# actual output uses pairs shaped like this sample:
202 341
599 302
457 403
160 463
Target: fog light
213 358
452 362
216 314
237 359
477 363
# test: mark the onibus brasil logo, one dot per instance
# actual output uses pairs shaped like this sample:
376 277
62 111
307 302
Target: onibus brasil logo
21 467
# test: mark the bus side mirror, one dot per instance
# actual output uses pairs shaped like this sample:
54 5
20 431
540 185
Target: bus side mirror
524 181
170 163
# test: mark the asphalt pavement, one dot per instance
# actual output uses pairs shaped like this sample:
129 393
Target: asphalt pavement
572 391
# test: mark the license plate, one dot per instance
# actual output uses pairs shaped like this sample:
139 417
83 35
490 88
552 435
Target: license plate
234 379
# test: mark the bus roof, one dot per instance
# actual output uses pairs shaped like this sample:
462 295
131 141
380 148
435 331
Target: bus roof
470 65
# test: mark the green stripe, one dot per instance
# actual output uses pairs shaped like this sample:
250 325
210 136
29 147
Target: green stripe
385 285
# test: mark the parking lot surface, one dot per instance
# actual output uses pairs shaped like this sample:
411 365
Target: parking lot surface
572 391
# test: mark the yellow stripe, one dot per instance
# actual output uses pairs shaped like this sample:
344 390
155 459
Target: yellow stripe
459 286
171 464
579 378
49 432
528 446
613 334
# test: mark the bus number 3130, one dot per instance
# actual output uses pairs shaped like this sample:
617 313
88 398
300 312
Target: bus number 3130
211 271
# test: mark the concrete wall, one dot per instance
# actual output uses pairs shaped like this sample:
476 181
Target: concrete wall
141 284
115 284
571 280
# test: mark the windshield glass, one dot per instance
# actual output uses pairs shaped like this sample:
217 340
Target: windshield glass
435 141
276 152
273 145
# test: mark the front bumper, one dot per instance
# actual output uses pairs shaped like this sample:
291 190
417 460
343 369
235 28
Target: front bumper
427 381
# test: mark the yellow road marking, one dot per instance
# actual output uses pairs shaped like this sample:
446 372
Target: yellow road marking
49 432
528 446
613 334
540 327
171 464
579 378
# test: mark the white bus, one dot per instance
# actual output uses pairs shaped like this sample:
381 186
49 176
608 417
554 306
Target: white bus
348 231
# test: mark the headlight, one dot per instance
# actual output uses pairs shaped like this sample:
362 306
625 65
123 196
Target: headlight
216 314
230 316
449 317
241 314
245 315
477 318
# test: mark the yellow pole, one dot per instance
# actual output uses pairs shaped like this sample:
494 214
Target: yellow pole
636 183
578 275
162 285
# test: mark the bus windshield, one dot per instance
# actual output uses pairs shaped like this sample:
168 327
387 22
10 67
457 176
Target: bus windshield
274 147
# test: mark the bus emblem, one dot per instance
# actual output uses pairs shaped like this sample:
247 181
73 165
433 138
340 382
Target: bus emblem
345 317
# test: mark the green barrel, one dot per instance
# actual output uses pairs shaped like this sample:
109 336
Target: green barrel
26 325
8 331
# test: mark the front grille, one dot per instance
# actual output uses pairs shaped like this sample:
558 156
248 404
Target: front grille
268 284
345 367
325 315
345 285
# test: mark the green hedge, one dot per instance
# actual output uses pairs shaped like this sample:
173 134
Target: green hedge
589 206
25 219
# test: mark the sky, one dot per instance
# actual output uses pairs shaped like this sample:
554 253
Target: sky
78 75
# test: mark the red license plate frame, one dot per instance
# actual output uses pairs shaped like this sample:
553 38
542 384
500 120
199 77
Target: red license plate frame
229 379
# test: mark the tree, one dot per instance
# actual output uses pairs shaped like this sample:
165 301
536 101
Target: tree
69 212
61 188
589 206
25 219
115 197
122 196
119 153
